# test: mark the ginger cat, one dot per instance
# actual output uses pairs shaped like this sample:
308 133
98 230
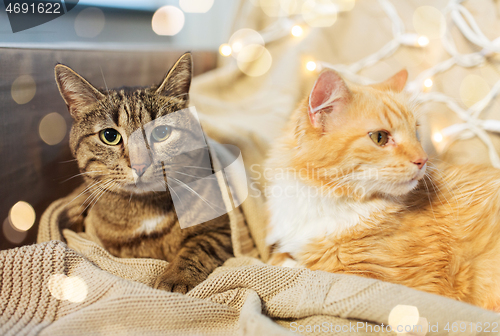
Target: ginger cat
352 192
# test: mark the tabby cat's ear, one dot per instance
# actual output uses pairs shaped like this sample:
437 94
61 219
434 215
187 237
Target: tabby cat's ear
395 83
328 98
178 79
75 90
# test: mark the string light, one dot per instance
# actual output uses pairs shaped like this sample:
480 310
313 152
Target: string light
225 49
297 31
428 83
437 137
311 65
237 46
429 23
423 41
414 40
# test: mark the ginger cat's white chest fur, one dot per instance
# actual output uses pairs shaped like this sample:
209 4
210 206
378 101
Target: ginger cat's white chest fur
302 214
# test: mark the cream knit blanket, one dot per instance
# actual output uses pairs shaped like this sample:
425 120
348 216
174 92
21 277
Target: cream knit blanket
69 285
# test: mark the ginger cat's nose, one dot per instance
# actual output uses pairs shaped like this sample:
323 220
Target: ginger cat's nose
140 169
420 162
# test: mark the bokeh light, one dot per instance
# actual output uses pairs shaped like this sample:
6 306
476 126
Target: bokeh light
225 49
319 13
168 21
311 65
22 216
429 21
428 83
345 5
254 60
52 128
89 22
437 137
72 288
272 8
23 89
291 7
297 31
423 41
242 38
472 89
13 235
196 6
403 315
237 46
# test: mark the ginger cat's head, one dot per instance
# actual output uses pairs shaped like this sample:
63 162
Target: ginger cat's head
356 139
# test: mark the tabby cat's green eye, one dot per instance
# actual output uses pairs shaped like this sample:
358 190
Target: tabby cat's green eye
380 137
110 136
161 133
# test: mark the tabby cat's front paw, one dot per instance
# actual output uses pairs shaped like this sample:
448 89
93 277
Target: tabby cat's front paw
179 281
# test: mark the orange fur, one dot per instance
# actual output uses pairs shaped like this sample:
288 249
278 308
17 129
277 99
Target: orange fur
441 236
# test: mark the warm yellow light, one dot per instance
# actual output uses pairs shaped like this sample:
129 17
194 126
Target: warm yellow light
423 41
237 46
438 137
428 83
254 60
22 216
70 288
297 31
225 49
52 128
167 21
311 66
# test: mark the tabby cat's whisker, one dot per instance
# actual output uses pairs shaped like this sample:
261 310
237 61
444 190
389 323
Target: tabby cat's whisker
108 188
106 85
68 161
185 186
72 177
194 167
205 177
84 191
95 194
166 186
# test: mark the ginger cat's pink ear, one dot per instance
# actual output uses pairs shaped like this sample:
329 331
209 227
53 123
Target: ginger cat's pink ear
328 98
395 83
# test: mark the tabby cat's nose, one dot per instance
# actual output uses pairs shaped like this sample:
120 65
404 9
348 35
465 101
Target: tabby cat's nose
140 169
420 162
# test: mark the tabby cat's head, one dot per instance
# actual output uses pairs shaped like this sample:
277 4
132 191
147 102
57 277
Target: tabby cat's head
124 138
360 137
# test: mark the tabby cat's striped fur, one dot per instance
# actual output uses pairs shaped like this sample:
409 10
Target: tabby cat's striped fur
128 221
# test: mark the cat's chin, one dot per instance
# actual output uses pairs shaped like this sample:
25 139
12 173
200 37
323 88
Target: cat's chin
402 188
144 187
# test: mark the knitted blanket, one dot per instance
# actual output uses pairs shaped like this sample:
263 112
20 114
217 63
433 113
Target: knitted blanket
68 284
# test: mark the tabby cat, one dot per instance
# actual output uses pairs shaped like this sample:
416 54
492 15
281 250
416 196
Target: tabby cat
367 202
132 212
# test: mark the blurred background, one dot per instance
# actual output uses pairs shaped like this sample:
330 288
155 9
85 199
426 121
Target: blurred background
254 60
128 24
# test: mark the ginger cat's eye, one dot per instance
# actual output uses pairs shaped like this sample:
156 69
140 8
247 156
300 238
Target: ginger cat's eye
380 137
110 136
161 133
